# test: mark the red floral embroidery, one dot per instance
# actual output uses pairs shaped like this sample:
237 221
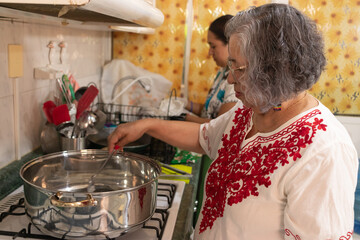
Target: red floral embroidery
288 233
238 172
296 237
347 237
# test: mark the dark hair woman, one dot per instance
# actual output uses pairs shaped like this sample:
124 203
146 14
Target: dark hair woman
221 96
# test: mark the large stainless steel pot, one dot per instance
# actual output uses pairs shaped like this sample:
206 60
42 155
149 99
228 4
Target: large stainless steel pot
57 201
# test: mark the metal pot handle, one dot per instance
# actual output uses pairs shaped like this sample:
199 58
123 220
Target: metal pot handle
89 202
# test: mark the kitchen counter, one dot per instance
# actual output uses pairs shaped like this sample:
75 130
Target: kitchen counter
9 175
185 219
10 179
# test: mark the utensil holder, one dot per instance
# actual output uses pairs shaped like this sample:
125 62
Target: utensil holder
72 143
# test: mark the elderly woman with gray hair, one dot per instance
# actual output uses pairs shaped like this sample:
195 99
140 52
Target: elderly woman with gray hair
283 166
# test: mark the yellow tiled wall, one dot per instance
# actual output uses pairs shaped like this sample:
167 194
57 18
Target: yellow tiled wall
339 20
202 67
163 52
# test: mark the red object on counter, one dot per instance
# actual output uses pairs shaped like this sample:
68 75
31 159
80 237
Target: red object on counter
86 100
48 108
61 114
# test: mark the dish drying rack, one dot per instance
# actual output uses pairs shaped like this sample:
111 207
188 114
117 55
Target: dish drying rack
118 113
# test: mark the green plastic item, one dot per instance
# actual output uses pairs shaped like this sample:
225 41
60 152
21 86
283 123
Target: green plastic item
182 156
66 82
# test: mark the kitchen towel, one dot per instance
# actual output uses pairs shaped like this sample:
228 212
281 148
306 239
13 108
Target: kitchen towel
135 94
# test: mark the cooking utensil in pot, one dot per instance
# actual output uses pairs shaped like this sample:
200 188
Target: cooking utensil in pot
61 114
80 92
63 90
67 84
65 129
58 204
48 108
91 186
85 102
86 123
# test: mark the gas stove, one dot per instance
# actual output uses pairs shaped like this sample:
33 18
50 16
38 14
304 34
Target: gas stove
15 224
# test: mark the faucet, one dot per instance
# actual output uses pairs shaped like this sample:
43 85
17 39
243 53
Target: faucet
143 84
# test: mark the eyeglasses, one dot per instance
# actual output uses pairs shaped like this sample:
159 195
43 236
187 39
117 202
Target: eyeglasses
232 70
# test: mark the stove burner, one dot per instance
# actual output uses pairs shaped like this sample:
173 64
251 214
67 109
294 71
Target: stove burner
157 223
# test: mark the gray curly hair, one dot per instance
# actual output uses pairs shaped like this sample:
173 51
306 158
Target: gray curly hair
284 52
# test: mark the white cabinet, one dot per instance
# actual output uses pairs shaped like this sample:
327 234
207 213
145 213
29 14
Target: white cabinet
94 14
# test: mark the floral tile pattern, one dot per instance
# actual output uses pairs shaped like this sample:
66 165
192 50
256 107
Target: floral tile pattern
339 20
163 52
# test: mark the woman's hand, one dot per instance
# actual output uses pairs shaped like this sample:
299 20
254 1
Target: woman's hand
126 133
184 135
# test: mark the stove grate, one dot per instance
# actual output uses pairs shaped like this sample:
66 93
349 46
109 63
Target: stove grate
161 222
169 190
8 205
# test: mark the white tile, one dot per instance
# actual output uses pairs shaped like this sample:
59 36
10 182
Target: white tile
31 119
84 54
7 140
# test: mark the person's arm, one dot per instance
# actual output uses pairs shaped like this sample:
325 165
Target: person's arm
226 107
196 119
194 107
223 109
184 135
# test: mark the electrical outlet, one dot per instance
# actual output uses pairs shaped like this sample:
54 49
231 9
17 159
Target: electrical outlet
15 60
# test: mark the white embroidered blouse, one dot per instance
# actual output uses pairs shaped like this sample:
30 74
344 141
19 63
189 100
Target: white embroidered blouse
297 182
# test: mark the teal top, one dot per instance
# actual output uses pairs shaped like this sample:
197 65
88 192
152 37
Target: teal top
220 92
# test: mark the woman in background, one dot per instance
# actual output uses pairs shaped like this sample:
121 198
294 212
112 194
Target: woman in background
283 166
221 96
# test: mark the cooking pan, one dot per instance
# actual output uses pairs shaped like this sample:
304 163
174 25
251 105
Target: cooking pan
99 140
59 204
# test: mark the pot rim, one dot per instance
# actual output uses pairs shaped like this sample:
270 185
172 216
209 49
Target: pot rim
42 158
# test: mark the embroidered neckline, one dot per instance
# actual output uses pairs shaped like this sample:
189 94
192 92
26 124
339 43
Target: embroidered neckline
238 172
282 126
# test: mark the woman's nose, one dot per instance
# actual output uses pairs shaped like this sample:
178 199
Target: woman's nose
230 78
211 52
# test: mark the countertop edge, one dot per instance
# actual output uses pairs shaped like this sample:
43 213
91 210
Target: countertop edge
9 175
184 223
